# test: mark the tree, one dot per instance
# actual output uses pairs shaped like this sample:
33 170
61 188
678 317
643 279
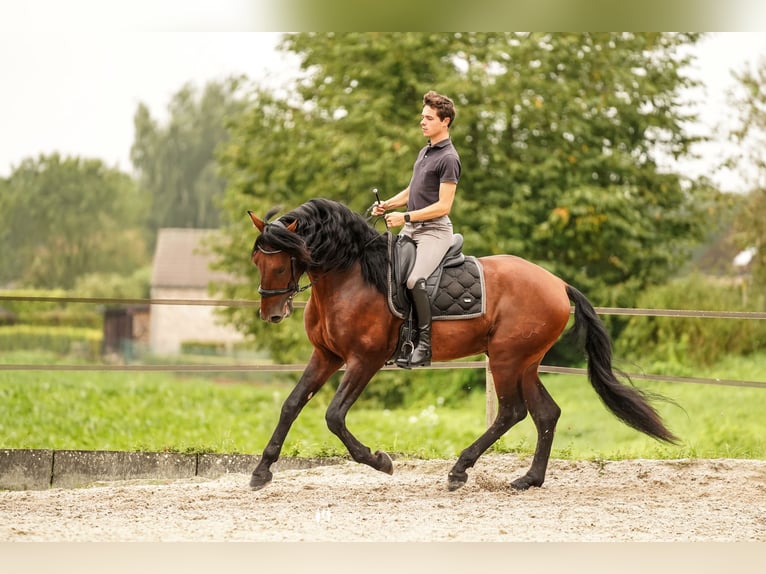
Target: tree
64 217
176 162
750 136
558 135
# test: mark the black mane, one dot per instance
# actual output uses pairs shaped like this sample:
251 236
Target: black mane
329 236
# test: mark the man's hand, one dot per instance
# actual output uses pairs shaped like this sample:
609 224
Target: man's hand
395 219
379 208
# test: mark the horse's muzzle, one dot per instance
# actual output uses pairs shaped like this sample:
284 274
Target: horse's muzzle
275 314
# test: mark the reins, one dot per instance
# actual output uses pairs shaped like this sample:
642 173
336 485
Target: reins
374 218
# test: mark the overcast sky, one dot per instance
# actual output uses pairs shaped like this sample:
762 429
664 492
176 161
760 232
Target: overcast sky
76 93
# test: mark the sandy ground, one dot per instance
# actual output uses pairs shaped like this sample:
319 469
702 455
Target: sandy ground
631 501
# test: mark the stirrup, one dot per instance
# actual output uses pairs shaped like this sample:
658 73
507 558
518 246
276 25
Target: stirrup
403 360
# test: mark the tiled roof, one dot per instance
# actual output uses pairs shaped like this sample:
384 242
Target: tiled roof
181 259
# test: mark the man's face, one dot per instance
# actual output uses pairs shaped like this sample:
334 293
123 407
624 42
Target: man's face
432 126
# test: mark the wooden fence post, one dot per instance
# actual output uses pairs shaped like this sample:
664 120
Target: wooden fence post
491 395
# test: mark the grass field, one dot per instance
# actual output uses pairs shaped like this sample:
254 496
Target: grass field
166 412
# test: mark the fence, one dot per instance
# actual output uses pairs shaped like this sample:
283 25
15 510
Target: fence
484 364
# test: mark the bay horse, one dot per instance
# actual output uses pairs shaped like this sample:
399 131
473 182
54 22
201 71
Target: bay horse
348 321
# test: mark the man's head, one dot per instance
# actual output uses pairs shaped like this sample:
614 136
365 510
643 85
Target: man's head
444 107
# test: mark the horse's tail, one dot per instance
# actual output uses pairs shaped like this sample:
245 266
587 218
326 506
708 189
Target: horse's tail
627 402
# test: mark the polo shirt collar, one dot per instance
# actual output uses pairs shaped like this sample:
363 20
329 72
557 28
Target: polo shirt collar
441 144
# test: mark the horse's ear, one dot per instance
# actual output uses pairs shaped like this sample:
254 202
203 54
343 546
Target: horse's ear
257 222
292 226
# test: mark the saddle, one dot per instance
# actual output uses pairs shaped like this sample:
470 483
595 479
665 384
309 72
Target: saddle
455 288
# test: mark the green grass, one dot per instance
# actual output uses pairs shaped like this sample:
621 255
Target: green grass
166 412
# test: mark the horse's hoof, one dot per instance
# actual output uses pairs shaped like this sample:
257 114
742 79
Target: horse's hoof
385 464
455 480
524 483
260 479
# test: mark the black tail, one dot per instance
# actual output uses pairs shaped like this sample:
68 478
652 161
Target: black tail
627 402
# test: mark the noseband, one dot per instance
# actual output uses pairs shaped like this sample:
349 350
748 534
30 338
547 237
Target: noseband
292 287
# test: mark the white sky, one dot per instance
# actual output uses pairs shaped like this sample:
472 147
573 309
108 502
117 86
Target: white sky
76 91
718 56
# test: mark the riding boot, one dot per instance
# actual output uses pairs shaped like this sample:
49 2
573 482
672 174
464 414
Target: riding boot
421 354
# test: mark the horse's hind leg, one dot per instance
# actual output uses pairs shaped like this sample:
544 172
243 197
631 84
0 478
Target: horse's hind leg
354 381
545 414
511 409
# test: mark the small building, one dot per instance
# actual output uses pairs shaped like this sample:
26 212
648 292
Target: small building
124 328
181 270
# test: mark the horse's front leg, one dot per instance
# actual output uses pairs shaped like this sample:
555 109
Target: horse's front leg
319 369
358 374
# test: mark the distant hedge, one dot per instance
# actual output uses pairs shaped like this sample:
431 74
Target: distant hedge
82 342
694 340
51 313
203 347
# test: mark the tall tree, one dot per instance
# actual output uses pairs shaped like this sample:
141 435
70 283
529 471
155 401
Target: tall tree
558 135
175 161
61 218
750 135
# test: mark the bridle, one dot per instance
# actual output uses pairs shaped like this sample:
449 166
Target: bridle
292 288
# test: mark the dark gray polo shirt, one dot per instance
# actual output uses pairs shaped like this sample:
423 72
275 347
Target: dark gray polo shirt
434 165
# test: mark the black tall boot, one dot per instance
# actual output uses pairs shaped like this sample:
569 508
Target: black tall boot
421 354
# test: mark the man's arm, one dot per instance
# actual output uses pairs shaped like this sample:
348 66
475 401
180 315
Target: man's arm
442 207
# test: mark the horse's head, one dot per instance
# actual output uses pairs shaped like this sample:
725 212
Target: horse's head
280 265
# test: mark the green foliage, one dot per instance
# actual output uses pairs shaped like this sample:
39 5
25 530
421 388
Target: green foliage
63 217
67 316
175 162
711 421
749 137
691 341
26 310
751 234
85 343
715 255
203 347
397 388
559 136
136 285
50 313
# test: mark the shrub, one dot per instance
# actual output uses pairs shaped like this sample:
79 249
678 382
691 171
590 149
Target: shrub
85 343
683 340
115 286
399 388
24 310
194 347
51 313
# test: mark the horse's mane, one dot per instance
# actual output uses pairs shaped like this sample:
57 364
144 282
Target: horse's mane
329 236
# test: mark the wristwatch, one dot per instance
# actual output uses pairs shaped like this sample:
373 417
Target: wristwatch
407 217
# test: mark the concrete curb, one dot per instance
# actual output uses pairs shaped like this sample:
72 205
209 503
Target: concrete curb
28 469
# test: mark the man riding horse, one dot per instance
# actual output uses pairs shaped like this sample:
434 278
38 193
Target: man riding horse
428 198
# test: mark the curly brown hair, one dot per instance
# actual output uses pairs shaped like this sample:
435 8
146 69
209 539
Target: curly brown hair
445 107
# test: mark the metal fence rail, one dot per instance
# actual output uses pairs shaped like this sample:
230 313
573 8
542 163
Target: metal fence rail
300 304
300 367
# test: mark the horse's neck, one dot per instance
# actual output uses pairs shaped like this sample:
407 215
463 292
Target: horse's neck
338 285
